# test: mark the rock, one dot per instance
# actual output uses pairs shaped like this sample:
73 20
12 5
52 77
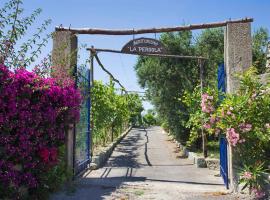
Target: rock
182 154
185 151
200 162
191 156
93 166
212 163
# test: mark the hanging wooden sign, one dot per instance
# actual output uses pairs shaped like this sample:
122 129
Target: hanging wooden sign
144 46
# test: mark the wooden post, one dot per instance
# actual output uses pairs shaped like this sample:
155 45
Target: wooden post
204 136
112 133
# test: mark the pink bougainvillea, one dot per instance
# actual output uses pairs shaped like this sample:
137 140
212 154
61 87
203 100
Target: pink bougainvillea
34 112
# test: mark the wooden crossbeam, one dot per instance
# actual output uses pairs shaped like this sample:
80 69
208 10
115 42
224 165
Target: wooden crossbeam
94 50
98 31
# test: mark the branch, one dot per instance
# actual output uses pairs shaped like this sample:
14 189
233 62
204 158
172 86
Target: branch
105 70
151 30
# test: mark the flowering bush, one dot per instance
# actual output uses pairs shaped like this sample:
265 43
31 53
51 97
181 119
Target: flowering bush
244 119
253 177
34 112
201 108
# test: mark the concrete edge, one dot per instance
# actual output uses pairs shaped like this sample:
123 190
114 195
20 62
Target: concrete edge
100 159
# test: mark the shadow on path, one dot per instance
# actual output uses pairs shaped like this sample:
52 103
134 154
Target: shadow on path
145 148
126 153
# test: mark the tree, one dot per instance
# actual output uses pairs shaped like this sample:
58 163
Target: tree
150 118
13 27
210 44
111 111
259 45
166 80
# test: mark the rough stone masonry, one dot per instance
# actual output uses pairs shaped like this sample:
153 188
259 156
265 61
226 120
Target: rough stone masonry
268 57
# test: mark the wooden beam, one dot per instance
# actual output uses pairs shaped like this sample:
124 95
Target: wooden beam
155 55
150 30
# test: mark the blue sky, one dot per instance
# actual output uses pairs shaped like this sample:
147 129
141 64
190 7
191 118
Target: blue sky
118 14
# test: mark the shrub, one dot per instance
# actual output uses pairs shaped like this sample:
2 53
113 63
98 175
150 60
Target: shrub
201 107
34 113
244 119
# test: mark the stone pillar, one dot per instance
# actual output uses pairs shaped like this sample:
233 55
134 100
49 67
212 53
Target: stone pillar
268 57
237 52
238 58
64 60
64 53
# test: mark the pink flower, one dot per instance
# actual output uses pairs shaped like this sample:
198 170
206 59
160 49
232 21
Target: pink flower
212 119
44 154
206 103
232 136
258 193
204 109
247 175
229 112
245 127
205 96
211 108
207 126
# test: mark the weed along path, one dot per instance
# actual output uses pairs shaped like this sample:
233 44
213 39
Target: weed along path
145 166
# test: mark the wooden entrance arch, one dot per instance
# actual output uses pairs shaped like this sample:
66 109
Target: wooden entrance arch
237 58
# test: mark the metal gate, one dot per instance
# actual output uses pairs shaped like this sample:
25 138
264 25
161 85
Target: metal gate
221 81
82 131
224 161
223 142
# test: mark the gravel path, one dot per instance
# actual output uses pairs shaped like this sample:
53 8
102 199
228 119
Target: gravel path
145 166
